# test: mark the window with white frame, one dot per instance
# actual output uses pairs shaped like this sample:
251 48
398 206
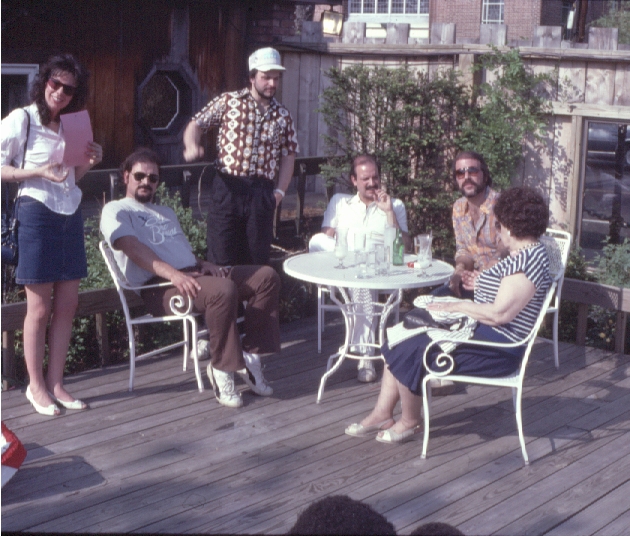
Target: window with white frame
16 82
492 11
388 10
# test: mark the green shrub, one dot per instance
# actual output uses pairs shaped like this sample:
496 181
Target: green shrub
415 124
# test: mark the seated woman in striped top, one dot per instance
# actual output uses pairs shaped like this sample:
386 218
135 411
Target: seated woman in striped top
508 298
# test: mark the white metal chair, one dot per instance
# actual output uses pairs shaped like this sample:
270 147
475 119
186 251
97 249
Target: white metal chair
181 312
558 244
514 381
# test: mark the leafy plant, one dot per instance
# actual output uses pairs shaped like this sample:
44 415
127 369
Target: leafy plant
506 110
415 124
618 16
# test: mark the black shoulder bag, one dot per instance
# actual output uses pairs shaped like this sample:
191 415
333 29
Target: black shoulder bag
9 215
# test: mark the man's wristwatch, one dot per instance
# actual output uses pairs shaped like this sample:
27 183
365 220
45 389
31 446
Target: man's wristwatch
281 192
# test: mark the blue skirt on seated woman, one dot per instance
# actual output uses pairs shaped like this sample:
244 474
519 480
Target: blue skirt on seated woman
405 359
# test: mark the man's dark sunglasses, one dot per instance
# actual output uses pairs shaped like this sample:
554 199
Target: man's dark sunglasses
139 176
472 170
56 84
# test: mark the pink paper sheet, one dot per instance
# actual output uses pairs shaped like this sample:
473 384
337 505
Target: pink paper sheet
77 132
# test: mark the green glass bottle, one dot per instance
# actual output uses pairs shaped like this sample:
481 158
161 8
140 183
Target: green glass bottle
398 249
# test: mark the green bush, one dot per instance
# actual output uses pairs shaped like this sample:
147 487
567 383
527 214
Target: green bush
415 124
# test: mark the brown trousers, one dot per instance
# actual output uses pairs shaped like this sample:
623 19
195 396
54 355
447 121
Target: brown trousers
218 301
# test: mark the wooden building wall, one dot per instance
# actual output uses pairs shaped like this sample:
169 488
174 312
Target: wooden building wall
119 41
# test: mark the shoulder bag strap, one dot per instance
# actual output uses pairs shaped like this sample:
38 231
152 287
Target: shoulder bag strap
28 131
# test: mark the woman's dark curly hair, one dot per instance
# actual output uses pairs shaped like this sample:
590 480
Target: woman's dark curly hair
476 156
62 63
523 212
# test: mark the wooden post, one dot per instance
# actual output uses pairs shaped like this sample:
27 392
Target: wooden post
8 358
113 186
102 335
620 331
580 333
301 192
186 175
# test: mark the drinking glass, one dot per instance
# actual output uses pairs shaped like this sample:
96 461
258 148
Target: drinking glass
359 244
380 259
341 246
361 258
422 247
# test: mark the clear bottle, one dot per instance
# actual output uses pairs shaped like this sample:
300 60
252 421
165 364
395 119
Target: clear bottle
398 249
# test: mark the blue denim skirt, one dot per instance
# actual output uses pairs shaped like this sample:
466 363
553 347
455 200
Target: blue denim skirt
50 245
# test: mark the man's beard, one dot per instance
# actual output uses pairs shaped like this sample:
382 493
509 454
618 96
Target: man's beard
262 94
478 189
144 195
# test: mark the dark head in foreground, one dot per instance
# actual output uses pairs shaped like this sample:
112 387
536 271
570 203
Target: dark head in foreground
436 528
341 515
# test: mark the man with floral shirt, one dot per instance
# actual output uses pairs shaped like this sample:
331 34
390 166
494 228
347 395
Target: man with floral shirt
477 239
256 147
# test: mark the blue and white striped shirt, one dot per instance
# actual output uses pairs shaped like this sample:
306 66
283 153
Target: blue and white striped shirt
534 263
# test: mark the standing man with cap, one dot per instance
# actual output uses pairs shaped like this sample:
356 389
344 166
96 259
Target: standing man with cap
256 149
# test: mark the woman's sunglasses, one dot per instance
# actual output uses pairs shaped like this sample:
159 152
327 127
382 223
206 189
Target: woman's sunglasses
139 176
56 84
473 171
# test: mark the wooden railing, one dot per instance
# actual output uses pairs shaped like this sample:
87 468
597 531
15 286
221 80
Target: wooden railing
101 301
587 294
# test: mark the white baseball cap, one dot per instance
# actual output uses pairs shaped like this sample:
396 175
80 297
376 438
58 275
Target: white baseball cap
265 59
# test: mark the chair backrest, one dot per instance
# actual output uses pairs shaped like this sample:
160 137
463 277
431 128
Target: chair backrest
531 337
558 245
120 281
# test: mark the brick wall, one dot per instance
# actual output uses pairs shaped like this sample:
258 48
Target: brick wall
271 22
521 18
466 14
551 13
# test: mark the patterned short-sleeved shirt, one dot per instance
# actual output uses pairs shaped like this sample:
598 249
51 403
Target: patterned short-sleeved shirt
249 142
480 240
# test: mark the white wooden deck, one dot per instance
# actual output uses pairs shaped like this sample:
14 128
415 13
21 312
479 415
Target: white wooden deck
166 459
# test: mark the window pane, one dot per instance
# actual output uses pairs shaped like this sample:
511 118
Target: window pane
424 6
383 6
606 196
397 6
492 11
411 6
368 6
355 6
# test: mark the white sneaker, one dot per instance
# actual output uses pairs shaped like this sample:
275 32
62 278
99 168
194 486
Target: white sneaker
203 349
367 373
253 376
223 385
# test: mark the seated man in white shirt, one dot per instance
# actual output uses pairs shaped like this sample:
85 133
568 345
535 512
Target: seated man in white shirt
150 247
369 211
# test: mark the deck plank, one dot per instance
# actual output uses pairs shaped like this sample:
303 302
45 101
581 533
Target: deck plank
167 459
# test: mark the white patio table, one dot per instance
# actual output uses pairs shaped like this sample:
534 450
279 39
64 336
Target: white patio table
319 268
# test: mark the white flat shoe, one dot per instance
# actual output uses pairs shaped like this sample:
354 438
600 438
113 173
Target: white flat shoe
77 404
50 410
356 429
392 437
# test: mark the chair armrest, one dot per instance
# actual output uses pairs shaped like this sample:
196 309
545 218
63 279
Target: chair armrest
446 360
179 304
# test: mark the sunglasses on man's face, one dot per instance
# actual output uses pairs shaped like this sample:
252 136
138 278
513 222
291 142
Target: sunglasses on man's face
139 176
497 225
56 84
473 171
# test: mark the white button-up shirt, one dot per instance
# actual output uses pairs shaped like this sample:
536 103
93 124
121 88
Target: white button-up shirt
347 211
44 146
